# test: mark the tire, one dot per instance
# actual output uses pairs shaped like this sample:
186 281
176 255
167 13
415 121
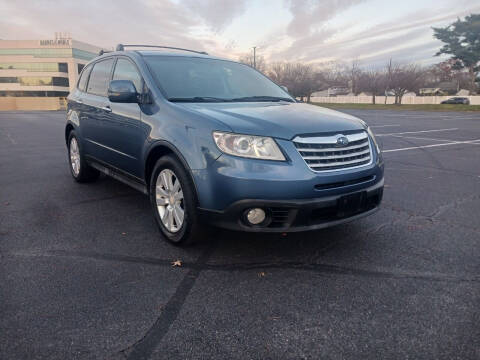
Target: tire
169 204
79 168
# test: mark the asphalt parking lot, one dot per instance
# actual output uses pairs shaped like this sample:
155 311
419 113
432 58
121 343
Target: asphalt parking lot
84 274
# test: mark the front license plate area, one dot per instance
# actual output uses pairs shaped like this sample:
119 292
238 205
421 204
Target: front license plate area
351 204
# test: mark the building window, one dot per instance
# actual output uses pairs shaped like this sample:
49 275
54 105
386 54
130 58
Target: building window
38 52
63 67
36 81
8 80
39 67
82 54
59 81
34 93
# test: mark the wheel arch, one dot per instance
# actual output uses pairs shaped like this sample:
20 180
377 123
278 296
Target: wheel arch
158 150
68 129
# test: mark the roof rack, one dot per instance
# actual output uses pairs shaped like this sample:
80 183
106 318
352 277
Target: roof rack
101 52
121 47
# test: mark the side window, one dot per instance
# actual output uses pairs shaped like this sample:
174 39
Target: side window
82 82
100 77
125 70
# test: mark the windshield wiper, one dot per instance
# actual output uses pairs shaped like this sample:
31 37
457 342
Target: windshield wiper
198 99
262 98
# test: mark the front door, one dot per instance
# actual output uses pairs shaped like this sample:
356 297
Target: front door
126 134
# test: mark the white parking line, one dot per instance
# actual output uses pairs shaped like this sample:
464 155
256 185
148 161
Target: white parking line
422 138
416 132
377 126
474 142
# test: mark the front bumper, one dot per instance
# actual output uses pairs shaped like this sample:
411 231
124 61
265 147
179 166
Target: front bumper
301 214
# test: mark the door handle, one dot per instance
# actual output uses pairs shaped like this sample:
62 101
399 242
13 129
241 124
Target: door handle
107 108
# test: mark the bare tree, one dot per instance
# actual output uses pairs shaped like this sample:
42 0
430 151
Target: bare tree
372 81
260 63
354 74
300 79
403 78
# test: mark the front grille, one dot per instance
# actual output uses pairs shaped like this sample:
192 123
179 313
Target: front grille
322 153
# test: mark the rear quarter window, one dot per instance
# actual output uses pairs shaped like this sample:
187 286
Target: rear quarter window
82 82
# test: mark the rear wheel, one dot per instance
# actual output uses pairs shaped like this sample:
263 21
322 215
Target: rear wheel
79 168
174 202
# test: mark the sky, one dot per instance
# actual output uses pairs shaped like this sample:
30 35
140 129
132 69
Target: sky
313 31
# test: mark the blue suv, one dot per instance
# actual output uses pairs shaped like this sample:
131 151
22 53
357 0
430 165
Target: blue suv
215 142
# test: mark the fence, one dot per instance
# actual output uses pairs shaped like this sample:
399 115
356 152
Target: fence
32 103
416 100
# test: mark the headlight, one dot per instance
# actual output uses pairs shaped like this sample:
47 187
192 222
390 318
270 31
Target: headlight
257 147
373 139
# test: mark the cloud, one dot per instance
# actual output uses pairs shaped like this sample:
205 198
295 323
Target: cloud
311 13
315 40
217 14
310 30
105 23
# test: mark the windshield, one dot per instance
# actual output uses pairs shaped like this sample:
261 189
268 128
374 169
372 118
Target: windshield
186 79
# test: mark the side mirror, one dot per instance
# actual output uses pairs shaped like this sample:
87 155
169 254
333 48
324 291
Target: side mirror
284 88
122 91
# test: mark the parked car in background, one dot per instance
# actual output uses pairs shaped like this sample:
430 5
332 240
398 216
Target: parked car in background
457 100
213 141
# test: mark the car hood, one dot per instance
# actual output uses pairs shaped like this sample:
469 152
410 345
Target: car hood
277 119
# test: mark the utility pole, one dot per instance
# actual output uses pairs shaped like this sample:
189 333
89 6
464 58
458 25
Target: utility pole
254 57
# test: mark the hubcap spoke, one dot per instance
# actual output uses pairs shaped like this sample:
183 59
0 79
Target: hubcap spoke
178 196
178 213
170 219
161 192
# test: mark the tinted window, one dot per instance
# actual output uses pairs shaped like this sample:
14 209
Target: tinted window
83 78
100 77
186 78
63 67
125 70
80 67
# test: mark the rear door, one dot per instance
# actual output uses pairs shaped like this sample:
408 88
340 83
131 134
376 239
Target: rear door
76 102
97 109
126 132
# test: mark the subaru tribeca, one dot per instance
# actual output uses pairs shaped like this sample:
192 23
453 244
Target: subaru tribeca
215 142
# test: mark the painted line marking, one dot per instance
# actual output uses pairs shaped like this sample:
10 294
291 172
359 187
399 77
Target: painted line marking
423 138
416 132
474 142
378 126
12 140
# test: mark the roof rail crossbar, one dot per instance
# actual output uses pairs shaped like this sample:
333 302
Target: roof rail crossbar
121 47
101 52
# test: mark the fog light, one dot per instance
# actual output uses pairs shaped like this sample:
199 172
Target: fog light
255 216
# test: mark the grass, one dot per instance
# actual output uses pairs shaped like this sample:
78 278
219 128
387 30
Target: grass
426 107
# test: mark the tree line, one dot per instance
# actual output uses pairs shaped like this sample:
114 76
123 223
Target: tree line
462 42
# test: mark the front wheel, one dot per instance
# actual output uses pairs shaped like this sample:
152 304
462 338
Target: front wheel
174 202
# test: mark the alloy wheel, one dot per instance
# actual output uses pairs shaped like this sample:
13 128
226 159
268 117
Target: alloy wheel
74 156
169 198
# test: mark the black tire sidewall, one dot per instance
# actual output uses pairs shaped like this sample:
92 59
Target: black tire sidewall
190 224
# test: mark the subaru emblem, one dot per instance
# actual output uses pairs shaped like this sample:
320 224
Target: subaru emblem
342 141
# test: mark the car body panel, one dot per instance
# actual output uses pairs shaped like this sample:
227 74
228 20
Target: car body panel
282 120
